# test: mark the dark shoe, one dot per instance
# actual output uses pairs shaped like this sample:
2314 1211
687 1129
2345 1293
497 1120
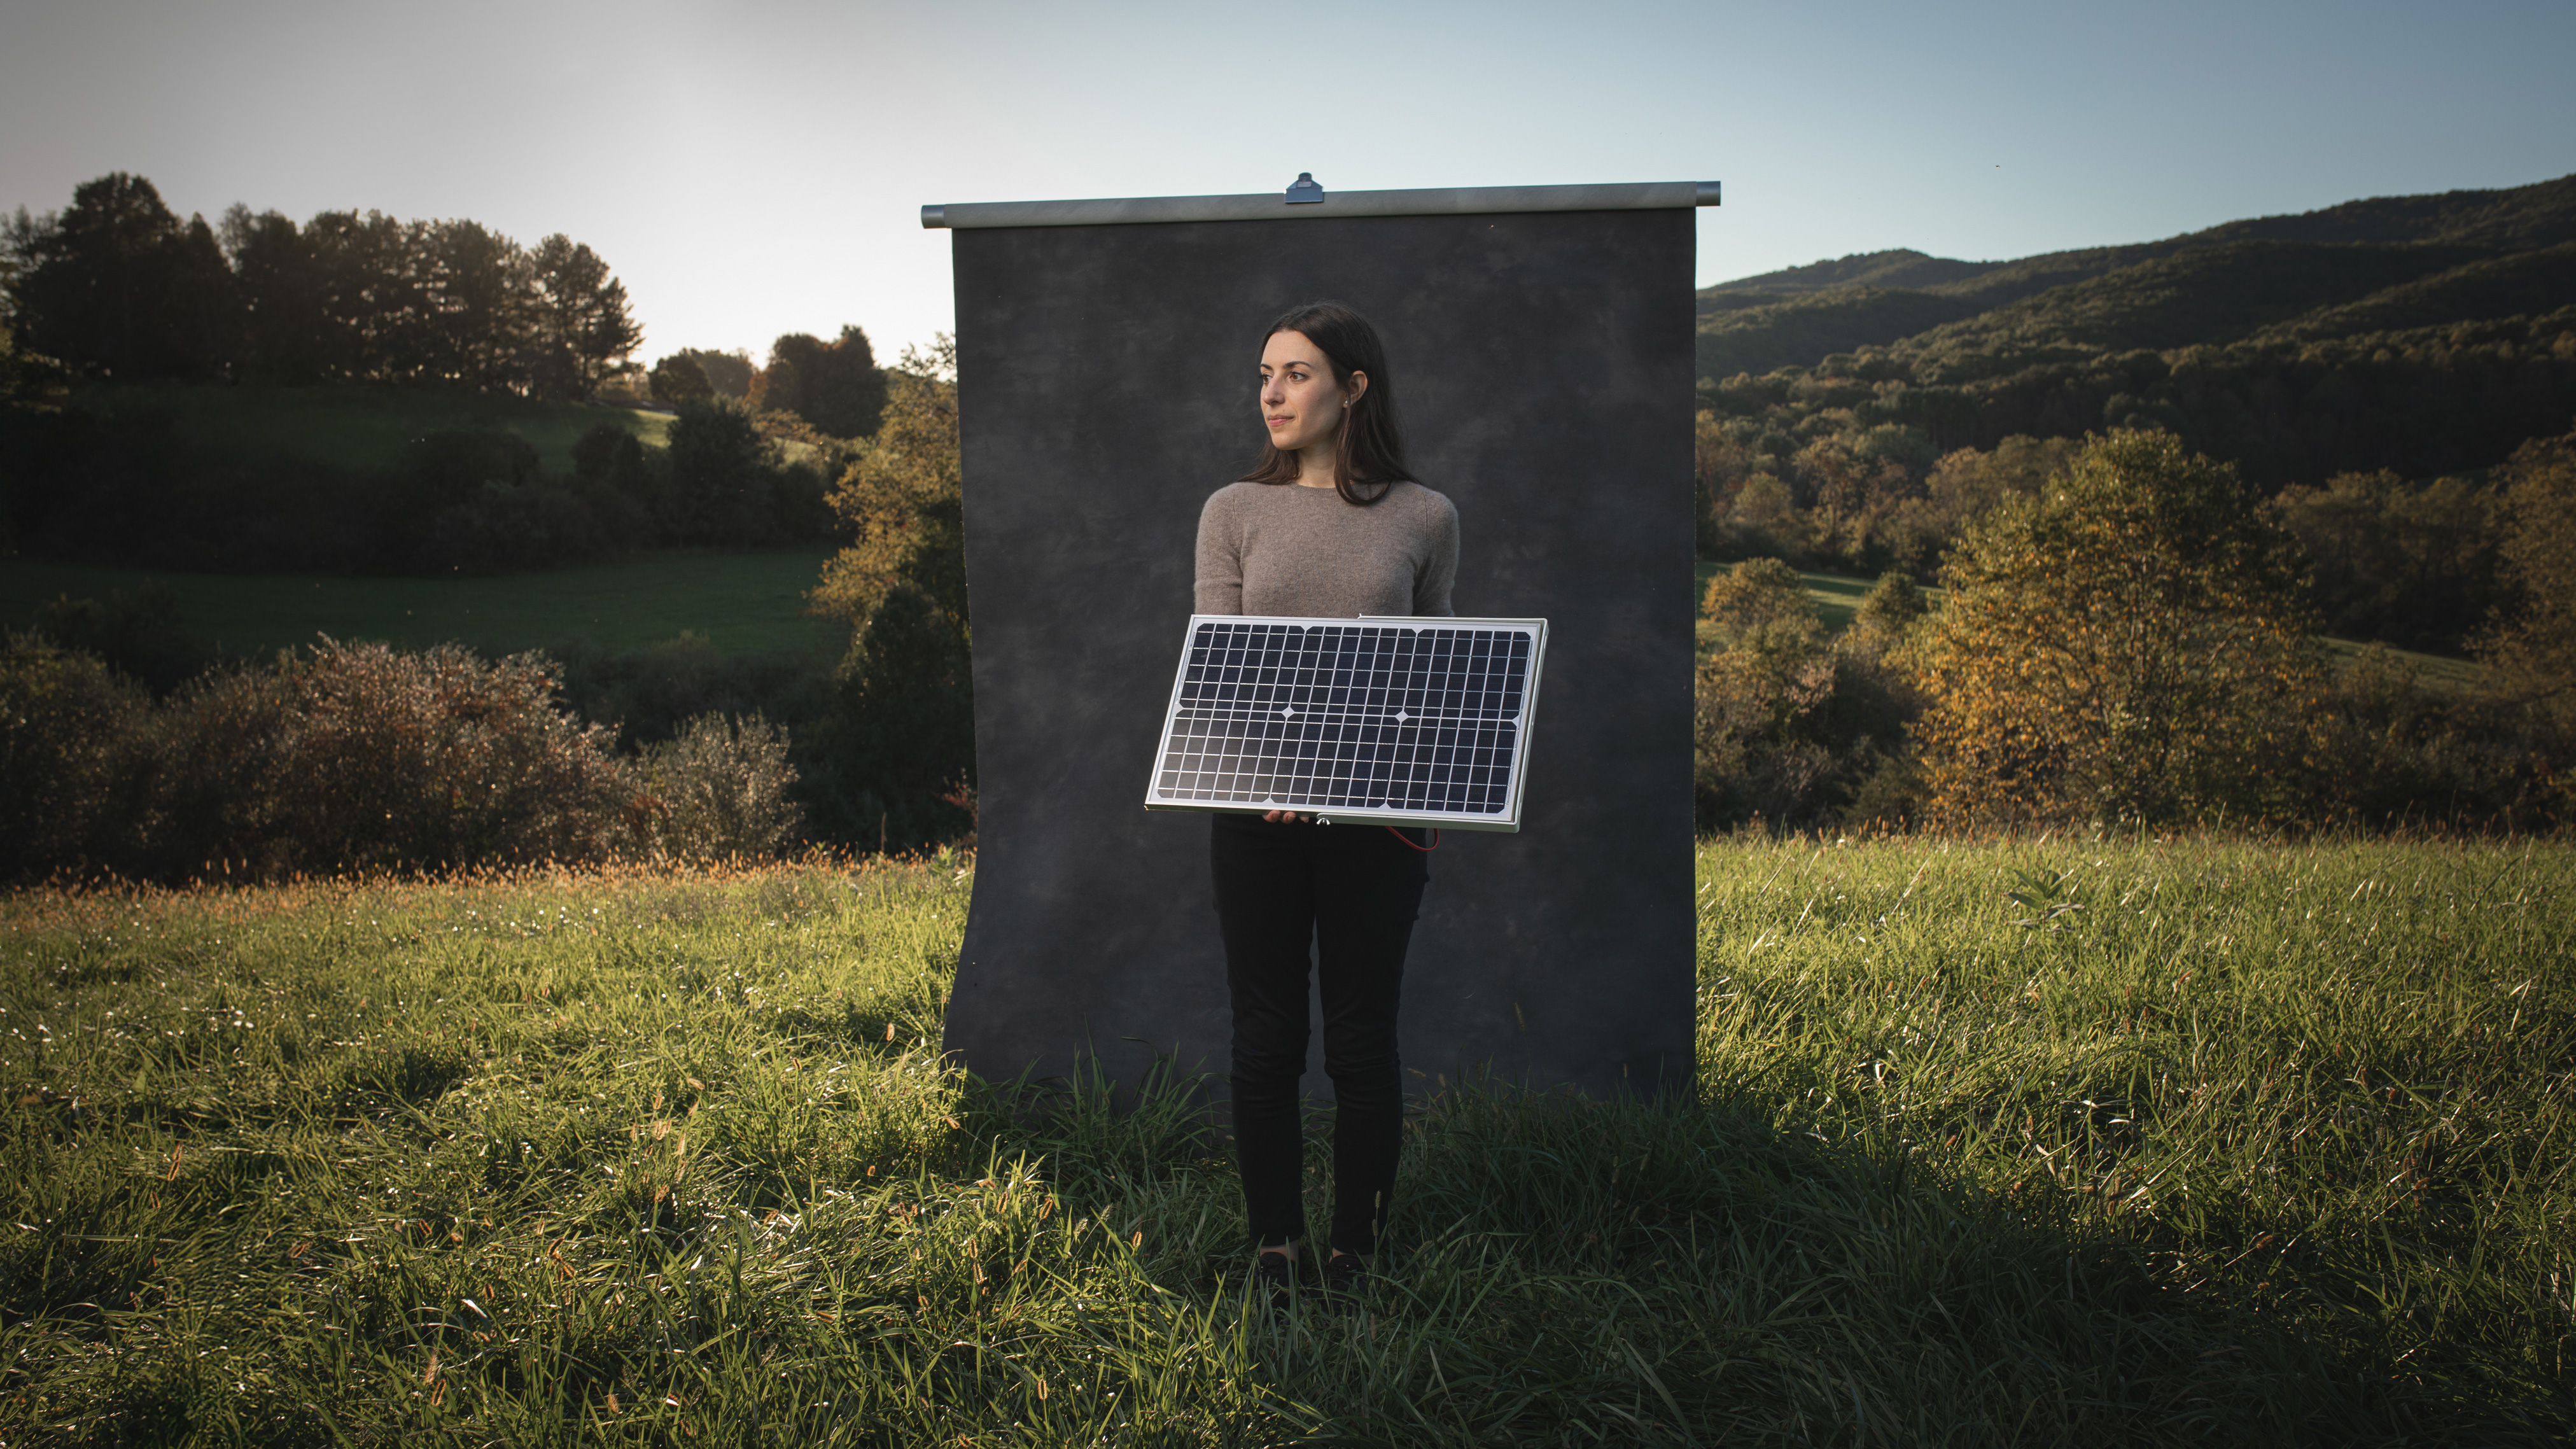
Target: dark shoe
1345 1279
1274 1279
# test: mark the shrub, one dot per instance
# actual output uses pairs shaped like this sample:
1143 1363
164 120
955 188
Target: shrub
340 758
651 694
1791 727
720 788
2394 752
138 634
66 773
364 757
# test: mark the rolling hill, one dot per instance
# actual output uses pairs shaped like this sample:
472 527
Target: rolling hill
2470 255
2425 335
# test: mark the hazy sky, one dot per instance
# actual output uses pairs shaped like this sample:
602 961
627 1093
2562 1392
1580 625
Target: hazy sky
751 169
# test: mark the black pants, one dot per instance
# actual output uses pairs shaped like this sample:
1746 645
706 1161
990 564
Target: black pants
1353 891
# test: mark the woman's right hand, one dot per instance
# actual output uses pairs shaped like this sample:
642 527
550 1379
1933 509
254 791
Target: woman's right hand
1276 817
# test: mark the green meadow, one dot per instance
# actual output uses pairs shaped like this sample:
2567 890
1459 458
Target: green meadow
363 426
2059 1141
740 602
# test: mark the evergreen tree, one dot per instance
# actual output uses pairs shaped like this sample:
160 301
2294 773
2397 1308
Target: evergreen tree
118 286
583 329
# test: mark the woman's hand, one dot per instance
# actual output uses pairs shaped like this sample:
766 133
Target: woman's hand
1276 817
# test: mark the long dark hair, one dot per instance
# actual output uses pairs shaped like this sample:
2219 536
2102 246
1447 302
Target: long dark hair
1369 459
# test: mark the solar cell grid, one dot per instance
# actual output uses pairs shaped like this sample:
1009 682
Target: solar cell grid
1420 720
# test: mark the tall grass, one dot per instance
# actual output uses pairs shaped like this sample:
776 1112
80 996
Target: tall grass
2023 1143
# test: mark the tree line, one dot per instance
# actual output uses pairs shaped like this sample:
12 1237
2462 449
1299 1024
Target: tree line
116 286
2131 640
124 481
127 746
2380 360
1854 466
834 388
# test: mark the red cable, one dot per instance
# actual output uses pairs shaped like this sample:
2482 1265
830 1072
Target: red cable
1425 849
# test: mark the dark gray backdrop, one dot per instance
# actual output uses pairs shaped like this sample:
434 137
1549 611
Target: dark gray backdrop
1542 365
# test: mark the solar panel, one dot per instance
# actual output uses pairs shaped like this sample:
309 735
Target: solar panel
1393 721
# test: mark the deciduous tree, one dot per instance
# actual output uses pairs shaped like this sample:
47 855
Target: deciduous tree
678 379
2132 644
903 738
2532 654
729 373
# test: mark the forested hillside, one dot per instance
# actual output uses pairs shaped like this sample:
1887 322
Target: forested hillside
1855 410
1800 316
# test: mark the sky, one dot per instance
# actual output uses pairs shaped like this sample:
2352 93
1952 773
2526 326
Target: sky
750 169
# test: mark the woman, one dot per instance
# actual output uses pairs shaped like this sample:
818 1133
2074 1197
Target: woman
1330 525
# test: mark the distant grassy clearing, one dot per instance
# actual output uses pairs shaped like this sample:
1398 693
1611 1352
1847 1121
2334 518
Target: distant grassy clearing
741 602
2190 1143
1838 596
363 426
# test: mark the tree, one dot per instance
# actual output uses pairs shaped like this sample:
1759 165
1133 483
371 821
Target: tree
1892 607
845 390
116 285
367 295
286 327
836 387
904 736
29 381
583 330
2414 565
1718 468
779 387
728 373
903 503
721 474
477 289
1790 726
2531 656
1747 600
2133 644
678 379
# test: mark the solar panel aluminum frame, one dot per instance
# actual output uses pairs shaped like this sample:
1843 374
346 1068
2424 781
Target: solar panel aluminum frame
1506 821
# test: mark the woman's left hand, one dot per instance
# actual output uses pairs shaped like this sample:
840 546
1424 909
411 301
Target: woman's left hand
1276 817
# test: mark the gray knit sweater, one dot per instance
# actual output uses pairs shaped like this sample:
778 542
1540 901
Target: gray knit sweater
1278 548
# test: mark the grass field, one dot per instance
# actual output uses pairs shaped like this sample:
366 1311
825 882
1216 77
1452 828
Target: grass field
1837 598
359 426
741 602
2056 1142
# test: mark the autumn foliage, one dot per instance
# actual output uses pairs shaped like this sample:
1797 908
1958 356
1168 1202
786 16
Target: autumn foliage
2132 644
899 750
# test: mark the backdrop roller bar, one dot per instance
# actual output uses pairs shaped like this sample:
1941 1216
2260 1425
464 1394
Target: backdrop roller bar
1305 205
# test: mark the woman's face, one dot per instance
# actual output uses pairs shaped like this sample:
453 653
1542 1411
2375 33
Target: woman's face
1300 403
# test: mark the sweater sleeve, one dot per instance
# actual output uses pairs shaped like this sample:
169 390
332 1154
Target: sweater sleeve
1440 567
1220 559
